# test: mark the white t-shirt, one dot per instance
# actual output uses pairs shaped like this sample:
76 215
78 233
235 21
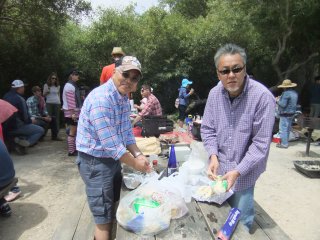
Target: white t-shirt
53 96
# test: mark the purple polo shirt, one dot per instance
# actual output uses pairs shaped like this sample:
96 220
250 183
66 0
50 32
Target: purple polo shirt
239 133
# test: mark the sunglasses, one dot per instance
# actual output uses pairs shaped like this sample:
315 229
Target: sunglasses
135 79
234 70
53 78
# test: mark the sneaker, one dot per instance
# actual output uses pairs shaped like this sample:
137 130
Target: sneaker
22 142
281 146
75 153
5 210
12 196
20 150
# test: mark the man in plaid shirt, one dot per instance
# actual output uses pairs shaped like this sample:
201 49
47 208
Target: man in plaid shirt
39 114
237 127
105 140
151 108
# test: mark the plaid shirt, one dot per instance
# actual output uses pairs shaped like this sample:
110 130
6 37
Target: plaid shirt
33 108
104 128
152 107
239 133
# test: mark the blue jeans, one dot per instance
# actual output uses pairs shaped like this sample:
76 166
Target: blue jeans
285 128
30 132
243 200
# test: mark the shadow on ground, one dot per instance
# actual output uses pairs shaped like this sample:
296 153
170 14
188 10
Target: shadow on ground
24 216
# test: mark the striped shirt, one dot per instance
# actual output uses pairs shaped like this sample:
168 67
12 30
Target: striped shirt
104 128
152 107
69 101
239 133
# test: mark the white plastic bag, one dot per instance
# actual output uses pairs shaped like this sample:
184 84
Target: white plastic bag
148 209
216 198
144 211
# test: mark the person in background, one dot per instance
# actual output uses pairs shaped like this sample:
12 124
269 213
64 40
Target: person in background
315 98
51 91
143 101
151 108
7 110
7 174
39 114
287 106
20 126
105 140
185 91
108 70
72 103
236 129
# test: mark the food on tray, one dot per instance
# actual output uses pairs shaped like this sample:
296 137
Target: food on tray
219 186
205 191
215 187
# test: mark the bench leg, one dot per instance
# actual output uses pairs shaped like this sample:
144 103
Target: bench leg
309 141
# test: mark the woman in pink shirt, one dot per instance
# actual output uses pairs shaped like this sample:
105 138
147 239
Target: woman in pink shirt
71 107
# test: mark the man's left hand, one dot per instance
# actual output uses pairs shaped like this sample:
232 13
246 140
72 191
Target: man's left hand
231 178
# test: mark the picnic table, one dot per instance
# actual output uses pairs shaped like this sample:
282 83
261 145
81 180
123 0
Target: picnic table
204 220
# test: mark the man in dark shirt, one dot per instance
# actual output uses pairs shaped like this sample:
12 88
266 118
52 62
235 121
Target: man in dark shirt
20 126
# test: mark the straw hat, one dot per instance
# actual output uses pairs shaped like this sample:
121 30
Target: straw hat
287 84
117 50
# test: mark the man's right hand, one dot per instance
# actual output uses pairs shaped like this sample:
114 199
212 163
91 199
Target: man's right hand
141 164
213 167
191 91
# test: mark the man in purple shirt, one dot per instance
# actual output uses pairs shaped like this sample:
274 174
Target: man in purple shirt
237 127
105 140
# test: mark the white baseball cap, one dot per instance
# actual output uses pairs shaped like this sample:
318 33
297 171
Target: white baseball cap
17 83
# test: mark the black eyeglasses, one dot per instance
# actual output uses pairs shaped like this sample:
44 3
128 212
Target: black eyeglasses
234 70
53 78
135 79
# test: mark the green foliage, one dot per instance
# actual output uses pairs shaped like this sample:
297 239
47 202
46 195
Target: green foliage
30 36
175 40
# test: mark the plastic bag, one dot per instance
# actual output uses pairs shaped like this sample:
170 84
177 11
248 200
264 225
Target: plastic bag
204 182
148 209
144 211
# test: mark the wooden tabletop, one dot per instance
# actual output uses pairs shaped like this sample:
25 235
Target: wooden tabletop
201 222
204 220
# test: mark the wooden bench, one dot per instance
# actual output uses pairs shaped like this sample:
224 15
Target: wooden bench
78 221
310 124
5 190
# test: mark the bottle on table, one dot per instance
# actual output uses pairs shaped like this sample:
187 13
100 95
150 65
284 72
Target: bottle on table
172 162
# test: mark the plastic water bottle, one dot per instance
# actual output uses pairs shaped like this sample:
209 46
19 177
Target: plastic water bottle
172 162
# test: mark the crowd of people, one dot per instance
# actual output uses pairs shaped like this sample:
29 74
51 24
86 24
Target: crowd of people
236 127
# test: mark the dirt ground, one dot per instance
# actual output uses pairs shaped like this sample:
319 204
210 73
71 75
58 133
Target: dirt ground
48 180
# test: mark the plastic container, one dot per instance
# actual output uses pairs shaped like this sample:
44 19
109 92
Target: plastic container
194 167
276 140
180 152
